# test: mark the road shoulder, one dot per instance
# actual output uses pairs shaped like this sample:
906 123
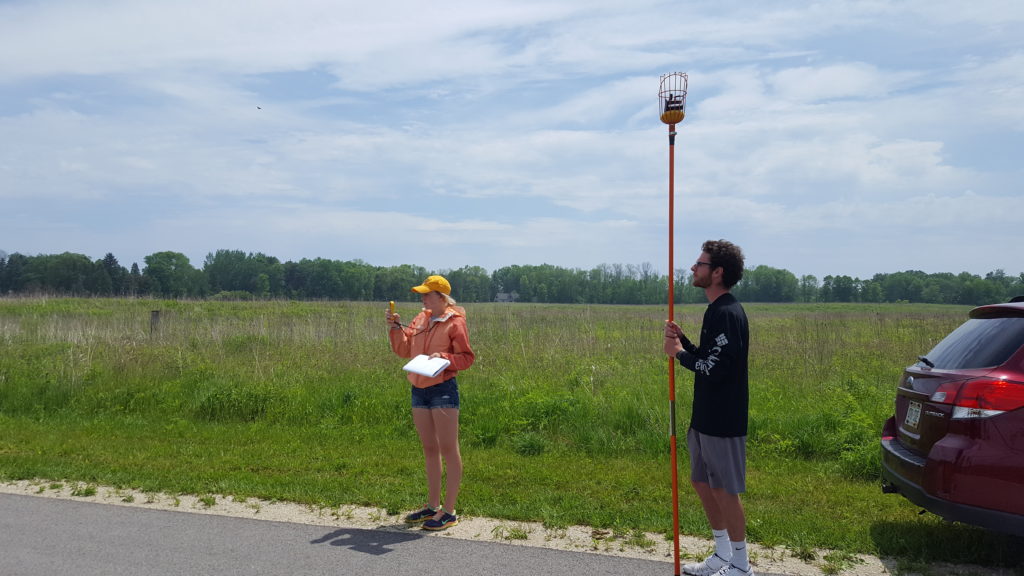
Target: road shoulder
645 546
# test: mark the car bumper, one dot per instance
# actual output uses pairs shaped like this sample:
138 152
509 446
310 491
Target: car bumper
895 459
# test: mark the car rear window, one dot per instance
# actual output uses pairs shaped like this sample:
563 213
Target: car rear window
979 343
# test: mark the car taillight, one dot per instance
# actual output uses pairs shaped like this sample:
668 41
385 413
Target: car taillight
981 397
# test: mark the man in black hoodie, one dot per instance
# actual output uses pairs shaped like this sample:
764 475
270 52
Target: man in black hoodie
717 435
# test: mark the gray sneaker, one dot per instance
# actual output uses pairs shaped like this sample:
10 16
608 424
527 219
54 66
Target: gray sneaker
711 566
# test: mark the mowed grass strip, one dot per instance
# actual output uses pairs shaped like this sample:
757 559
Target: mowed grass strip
564 417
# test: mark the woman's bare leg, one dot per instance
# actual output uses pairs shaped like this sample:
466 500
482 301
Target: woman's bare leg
424 422
446 425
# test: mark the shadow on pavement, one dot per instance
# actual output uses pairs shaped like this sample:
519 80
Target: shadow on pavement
375 542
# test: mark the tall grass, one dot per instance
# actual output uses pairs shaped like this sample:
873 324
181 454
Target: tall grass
564 416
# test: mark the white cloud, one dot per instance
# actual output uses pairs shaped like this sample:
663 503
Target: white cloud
814 84
511 132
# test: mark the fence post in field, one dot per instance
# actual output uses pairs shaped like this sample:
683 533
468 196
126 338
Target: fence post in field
154 323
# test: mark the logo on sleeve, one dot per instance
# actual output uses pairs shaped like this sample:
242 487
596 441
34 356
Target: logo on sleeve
721 340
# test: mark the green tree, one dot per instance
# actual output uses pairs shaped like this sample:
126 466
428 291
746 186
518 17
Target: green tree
172 276
470 284
904 286
871 291
506 279
99 282
976 291
942 288
599 285
808 288
767 284
394 283
137 283
839 289
14 277
295 280
118 274
321 279
224 269
653 286
356 279
685 291
1003 284
235 271
65 273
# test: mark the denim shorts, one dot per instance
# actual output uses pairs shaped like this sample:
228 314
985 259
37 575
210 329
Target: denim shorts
443 395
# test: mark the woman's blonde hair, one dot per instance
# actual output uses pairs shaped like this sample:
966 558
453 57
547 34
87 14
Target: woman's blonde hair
448 299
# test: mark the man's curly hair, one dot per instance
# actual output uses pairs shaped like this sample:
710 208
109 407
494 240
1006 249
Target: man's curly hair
729 257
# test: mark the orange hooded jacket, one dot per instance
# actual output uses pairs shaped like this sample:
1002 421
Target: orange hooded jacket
447 335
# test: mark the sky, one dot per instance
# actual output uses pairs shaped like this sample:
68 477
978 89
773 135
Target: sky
824 138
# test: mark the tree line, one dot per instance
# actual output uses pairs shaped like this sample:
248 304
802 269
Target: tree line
235 274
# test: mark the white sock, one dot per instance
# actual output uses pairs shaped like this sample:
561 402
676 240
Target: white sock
739 555
722 547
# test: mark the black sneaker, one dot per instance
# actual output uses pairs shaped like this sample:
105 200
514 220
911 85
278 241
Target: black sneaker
420 515
447 521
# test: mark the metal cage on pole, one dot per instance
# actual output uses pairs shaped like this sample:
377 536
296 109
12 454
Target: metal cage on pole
672 97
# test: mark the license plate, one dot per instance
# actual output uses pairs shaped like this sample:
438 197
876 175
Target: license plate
913 415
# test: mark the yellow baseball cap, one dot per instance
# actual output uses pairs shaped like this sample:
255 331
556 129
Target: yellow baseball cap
434 284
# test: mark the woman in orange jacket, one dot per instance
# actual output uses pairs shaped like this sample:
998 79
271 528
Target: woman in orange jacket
439 331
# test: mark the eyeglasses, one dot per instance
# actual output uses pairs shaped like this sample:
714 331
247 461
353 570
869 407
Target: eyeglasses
698 264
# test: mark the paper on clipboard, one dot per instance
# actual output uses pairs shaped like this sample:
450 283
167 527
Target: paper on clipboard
426 366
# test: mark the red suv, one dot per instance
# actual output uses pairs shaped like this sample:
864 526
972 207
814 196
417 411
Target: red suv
956 444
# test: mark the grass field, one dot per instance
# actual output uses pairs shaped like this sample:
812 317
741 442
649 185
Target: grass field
564 414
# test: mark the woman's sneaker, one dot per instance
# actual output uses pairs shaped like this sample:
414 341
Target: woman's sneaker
420 515
711 566
446 521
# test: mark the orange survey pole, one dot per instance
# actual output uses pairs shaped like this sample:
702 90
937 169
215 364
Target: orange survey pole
672 95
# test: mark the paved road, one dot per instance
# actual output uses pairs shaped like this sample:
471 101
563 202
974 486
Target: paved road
46 537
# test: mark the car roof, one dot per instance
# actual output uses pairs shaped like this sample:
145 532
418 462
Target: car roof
1005 310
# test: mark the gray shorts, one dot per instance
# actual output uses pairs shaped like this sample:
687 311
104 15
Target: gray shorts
717 461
